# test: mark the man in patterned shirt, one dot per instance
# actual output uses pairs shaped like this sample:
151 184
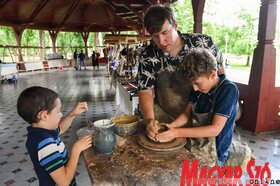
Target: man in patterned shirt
163 92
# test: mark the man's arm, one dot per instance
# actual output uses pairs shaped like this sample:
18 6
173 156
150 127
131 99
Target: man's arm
146 103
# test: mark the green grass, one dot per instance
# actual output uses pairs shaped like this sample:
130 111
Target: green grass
240 66
238 63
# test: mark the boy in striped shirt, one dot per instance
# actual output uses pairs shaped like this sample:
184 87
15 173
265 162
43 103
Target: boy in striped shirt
40 107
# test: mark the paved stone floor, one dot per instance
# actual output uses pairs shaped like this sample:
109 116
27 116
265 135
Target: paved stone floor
92 86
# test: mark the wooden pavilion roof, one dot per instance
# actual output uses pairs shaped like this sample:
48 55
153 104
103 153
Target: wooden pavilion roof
75 15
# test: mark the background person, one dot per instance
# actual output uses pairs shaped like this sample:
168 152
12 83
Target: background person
75 55
94 60
82 58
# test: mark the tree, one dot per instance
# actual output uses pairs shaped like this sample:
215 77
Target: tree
246 35
184 15
30 38
6 38
242 35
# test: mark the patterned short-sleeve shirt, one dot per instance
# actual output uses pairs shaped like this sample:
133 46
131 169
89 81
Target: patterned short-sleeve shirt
153 60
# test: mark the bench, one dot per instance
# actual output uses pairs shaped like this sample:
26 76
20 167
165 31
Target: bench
31 66
8 69
56 63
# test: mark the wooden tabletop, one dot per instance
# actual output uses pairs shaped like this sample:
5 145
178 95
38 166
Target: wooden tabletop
131 164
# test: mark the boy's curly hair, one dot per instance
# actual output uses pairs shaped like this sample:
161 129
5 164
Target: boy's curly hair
198 62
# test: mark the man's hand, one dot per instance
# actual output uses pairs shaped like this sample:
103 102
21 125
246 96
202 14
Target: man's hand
152 128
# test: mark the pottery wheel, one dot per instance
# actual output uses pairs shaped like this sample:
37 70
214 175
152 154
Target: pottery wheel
147 143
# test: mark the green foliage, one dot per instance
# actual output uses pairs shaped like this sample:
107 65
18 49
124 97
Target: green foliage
30 38
7 36
184 15
245 35
242 38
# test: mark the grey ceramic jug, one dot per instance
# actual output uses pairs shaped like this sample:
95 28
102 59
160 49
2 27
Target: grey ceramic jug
104 136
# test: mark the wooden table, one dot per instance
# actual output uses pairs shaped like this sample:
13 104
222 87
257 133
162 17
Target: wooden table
131 164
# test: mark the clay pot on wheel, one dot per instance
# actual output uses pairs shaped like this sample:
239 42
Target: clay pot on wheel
161 128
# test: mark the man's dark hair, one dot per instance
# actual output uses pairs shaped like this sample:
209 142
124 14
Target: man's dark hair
156 16
198 62
33 100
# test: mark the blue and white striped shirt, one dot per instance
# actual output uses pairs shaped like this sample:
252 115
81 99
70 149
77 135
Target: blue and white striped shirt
47 152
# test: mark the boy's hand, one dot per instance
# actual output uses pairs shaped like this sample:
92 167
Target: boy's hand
166 136
79 108
83 143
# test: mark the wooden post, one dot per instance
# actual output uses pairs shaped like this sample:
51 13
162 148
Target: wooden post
42 44
53 35
18 35
85 38
198 7
261 108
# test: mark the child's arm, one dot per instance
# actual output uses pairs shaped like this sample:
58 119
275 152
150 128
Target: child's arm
211 130
65 174
183 118
66 121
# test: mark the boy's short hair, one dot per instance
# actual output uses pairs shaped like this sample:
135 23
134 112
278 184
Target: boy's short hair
156 16
198 62
33 100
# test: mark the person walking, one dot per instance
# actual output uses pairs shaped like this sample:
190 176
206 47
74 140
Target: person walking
82 58
75 56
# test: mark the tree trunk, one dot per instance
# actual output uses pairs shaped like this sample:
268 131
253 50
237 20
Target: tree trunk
42 44
18 34
248 61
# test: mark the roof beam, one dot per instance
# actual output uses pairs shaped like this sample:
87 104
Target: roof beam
133 10
151 2
72 8
3 3
37 10
114 10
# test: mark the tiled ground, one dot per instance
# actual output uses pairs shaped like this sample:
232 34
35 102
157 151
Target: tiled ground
92 86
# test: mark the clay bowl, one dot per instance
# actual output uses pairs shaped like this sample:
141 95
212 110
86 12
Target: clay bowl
161 128
126 125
